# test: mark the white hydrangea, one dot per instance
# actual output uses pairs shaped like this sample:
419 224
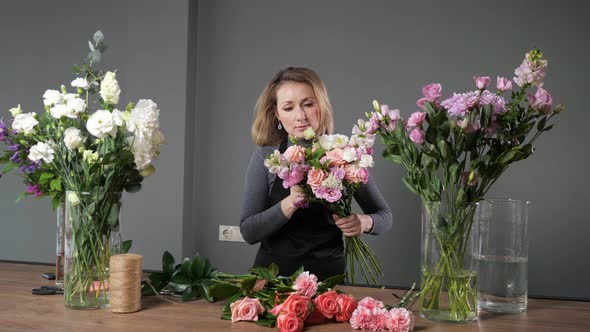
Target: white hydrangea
25 123
81 83
73 138
52 97
41 151
109 88
101 123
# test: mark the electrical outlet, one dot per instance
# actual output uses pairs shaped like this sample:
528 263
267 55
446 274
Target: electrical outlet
230 233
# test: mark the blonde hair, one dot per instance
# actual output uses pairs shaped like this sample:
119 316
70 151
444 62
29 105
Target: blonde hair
264 128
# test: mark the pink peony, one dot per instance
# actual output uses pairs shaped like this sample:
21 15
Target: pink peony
289 322
481 82
416 119
432 91
295 154
417 136
503 84
335 157
346 306
306 284
541 101
400 320
315 177
247 310
370 303
327 304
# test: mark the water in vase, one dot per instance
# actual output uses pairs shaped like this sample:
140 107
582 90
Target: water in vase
502 284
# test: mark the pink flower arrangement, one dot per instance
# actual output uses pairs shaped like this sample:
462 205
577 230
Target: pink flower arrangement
372 315
330 171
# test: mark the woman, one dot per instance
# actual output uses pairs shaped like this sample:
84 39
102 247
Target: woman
291 236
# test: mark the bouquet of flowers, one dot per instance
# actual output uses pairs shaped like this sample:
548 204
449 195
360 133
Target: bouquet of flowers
90 156
330 171
454 150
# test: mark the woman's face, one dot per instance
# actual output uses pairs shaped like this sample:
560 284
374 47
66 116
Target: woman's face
297 108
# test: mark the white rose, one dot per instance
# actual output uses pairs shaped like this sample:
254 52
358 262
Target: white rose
366 161
25 123
101 123
41 151
52 97
59 110
15 111
81 83
72 138
109 88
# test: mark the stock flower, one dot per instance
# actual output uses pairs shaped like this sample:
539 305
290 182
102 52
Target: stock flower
306 284
101 123
531 70
246 310
109 88
144 123
481 82
349 154
541 101
118 117
503 84
41 151
25 123
73 138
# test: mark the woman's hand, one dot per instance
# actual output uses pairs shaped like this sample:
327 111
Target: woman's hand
355 224
296 199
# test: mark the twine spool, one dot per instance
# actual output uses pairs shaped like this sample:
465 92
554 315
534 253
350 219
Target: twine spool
125 283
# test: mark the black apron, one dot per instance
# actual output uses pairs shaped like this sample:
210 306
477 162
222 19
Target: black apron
309 239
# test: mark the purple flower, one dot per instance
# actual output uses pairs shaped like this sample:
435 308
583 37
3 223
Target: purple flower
338 172
459 104
329 194
496 101
531 70
16 158
14 147
541 101
417 136
293 175
30 168
34 190
3 130
481 81
503 84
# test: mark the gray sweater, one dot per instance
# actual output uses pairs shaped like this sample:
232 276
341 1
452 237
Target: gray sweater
261 218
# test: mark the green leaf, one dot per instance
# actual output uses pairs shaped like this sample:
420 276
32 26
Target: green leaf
506 157
126 245
429 108
548 128
113 218
224 290
9 167
331 282
198 267
297 273
454 172
168 263
45 177
55 184
273 269
443 148
541 124
486 115
55 202
248 283
190 293
185 268
410 186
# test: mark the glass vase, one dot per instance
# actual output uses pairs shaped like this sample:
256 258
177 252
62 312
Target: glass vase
449 276
503 255
59 245
91 237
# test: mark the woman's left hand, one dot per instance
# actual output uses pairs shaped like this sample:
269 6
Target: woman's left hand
355 224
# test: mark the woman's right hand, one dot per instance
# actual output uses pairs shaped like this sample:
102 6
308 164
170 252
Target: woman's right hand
294 201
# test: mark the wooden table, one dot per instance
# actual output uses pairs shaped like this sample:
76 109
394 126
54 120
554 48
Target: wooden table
21 311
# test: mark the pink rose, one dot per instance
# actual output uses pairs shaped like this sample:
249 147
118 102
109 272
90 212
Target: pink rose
306 284
295 303
541 101
346 306
351 174
416 119
327 303
420 102
370 303
295 153
361 318
401 320
503 84
432 92
315 177
289 322
363 175
481 81
335 157
417 136
247 310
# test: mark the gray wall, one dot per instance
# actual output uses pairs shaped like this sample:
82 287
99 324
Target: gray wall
40 41
388 51
205 63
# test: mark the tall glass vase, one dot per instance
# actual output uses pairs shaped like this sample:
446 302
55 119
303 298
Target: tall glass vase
449 276
503 255
59 245
92 236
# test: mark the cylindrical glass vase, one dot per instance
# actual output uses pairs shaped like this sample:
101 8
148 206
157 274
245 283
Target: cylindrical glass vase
91 237
503 255
449 275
